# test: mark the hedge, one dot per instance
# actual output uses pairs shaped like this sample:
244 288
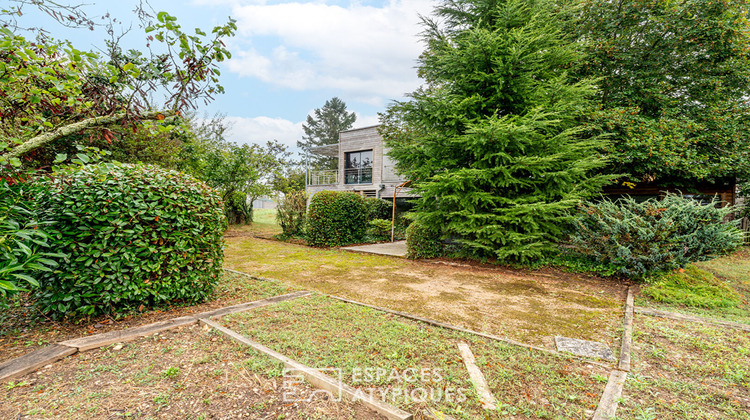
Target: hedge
336 218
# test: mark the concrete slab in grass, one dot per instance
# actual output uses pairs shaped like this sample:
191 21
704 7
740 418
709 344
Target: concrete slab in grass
584 348
394 249
100 340
34 360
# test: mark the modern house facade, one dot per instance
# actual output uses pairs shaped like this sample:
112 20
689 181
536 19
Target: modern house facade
363 167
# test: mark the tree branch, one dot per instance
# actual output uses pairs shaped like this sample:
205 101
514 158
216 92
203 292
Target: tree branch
77 127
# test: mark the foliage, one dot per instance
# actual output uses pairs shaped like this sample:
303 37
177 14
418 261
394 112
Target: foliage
24 244
575 262
231 168
290 212
652 236
134 235
379 229
323 127
379 208
50 90
673 86
336 218
496 143
423 242
237 210
290 178
692 287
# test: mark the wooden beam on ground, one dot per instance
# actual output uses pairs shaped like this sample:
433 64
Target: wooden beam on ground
315 377
100 340
608 403
34 360
477 378
251 305
627 333
691 318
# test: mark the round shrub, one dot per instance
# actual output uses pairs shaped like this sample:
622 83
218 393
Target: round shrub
134 236
336 218
423 242
654 235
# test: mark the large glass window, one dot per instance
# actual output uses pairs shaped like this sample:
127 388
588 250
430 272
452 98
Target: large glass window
358 167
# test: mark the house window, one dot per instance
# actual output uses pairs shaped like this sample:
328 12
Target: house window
358 167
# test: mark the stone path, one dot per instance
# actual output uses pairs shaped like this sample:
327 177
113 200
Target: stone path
395 249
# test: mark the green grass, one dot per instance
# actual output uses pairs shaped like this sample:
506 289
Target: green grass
683 370
325 333
693 287
723 294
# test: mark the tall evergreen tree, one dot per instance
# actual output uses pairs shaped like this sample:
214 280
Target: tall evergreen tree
674 86
495 141
323 128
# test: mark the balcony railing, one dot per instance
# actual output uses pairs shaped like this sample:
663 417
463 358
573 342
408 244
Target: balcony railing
326 177
358 176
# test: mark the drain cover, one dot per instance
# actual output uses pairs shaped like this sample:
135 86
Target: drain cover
584 348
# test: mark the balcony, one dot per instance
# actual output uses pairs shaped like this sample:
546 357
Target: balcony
326 177
355 176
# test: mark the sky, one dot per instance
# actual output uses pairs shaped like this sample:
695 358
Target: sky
289 57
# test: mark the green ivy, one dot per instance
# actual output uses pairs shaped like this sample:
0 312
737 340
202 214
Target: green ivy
134 235
336 218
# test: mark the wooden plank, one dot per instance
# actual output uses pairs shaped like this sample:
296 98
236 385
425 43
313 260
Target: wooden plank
104 339
251 305
34 360
627 333
691 318
608 403
477 378
315 377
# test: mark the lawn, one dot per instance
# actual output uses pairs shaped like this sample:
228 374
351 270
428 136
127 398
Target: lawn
189 373
530 306
731 272
683 370
325 333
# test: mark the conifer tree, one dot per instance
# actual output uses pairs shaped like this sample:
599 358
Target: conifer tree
495 141
323 128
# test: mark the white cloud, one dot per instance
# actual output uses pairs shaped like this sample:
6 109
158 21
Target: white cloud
262 129
368 53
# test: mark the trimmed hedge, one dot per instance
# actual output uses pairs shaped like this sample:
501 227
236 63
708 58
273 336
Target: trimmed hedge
135 236
653 236
422 242
336 218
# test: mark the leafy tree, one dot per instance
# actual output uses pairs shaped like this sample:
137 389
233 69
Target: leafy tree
674 82
50 90
495 142
323 127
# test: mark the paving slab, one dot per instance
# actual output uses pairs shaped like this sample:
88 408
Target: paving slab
104 339
584 348
34 360
394 249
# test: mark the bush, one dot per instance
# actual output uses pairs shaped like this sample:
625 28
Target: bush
422 242
336 218
379 208
653 236
136 236
290 212
692 287
24 247
380 229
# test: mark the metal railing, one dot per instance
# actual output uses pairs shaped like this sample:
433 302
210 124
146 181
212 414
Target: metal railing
358 176
326 177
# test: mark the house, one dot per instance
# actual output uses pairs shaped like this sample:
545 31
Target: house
363 167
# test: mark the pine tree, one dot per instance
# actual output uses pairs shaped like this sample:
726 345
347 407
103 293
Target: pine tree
495 141
323 128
